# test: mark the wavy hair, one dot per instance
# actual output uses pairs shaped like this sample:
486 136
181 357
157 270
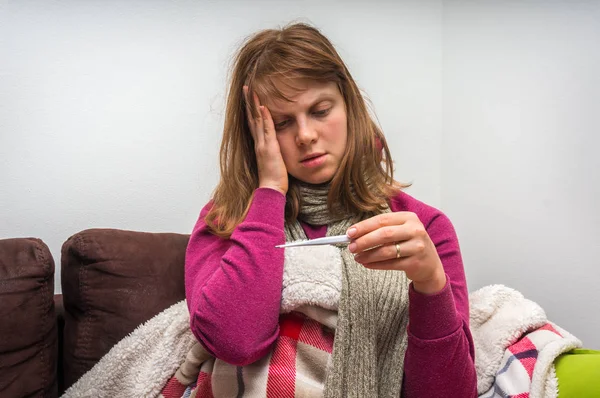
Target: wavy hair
364 181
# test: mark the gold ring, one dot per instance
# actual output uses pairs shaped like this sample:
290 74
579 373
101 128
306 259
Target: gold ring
397 249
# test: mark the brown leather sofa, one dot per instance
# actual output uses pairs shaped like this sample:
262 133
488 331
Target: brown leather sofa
28 325
112 281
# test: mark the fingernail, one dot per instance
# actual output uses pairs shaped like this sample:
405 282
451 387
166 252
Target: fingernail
352 247
351 232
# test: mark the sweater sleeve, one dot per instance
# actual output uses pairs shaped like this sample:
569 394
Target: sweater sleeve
233 286
439 359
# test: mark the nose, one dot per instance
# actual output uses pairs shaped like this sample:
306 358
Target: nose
306 134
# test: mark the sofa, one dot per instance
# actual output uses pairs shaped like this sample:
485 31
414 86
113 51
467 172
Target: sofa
113 281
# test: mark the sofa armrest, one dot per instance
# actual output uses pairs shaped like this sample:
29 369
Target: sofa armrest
28 346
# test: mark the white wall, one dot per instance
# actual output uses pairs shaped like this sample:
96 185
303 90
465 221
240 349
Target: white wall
521 106
111 112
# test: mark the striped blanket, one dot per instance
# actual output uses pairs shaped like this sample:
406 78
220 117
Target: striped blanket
296 367
526 362
515 349
515 345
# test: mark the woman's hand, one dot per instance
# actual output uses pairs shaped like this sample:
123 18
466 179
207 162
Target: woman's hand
399 241
272 172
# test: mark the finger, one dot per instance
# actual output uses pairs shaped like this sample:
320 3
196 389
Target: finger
383 236
391 251
381 220
269 125
395 265
258 119
256 106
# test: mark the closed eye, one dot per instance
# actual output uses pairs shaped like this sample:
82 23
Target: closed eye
280 125
322 112
285 123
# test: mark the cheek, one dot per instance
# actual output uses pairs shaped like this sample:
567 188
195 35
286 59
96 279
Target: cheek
286 146
338 128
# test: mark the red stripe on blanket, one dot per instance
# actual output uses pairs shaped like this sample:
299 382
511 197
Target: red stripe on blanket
281 381
291 324
173 389
521 346
550 328
204 386
316 335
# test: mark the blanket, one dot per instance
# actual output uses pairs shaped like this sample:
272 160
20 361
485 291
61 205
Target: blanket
296 366
515 347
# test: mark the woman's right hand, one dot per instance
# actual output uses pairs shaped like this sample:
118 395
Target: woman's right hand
272 172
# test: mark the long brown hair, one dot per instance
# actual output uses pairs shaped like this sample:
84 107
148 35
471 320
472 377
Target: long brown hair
364 181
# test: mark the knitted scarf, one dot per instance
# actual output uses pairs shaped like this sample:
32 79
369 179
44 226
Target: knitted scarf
370 338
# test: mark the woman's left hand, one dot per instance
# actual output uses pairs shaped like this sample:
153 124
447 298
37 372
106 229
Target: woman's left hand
399 241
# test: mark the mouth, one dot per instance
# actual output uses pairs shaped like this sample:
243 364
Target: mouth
311 156
314 160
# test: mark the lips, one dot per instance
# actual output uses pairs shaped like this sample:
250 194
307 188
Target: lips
314 160
311 156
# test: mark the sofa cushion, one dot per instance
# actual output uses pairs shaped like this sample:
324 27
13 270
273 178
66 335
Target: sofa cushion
112 281
28 344
60 325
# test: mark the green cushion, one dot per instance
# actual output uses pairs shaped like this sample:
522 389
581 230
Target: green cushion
578 373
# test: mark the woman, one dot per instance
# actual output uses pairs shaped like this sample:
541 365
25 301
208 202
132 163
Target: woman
301 158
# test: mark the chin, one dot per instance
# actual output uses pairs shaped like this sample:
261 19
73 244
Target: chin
315 179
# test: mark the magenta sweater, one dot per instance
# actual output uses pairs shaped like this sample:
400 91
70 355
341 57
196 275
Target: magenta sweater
233 289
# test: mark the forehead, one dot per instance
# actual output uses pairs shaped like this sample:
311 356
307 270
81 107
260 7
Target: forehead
303 94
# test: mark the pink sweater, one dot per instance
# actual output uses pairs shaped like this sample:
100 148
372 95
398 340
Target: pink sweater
233 287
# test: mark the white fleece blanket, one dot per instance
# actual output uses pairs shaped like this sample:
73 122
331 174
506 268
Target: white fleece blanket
141 363
515 344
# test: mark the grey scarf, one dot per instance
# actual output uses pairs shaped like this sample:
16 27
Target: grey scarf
370 338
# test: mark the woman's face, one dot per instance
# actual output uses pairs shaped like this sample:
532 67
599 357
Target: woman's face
312 130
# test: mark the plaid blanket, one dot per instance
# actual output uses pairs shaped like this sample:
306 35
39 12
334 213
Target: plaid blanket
297 366
515 345
515 349
521 363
